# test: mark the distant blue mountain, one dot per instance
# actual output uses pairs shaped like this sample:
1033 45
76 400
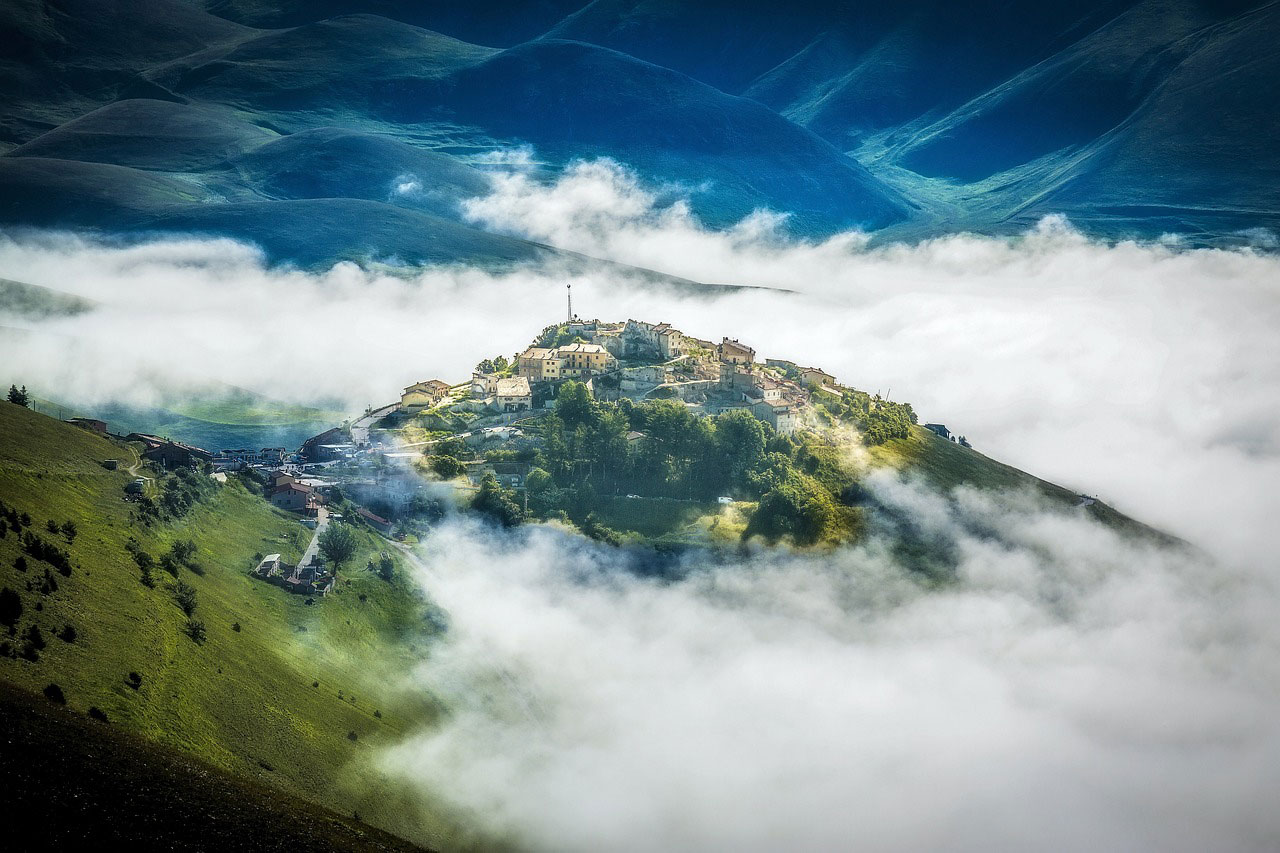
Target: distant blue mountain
241 117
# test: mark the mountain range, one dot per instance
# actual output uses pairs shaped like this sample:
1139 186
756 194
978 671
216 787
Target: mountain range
342 130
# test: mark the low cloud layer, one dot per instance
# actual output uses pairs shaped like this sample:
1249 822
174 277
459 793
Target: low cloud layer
1071 691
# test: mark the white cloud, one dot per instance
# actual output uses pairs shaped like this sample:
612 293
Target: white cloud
1070 691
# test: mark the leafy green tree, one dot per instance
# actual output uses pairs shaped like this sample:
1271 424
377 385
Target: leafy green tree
573 404
386 567
185 595
799 509
338 544
446 467
196 631
497 503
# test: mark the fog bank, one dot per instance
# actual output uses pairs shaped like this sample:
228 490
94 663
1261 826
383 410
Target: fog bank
1071 691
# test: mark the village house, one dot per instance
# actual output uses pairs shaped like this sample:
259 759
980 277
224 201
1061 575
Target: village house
513 394
814 377
423 395
539 364
584 360
91 424
301 580
782 415
296 497
483 385
510 475
314 448
170 453
940 430
732 352
234 460
646 340
377 522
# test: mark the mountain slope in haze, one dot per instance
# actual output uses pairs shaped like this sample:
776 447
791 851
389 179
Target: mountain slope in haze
150 134
670 126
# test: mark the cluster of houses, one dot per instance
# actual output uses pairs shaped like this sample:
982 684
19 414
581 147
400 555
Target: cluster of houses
303 580
639 360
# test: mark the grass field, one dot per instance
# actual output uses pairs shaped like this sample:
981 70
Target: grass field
277 700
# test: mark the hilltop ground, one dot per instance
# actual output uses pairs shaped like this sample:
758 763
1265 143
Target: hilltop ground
281 692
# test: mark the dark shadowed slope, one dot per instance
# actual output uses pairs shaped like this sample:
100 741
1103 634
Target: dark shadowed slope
500 23
359 63
842 68
59 60
334 162
1199 155
673 128
72 782
150 134
1073 98
318 232
370 69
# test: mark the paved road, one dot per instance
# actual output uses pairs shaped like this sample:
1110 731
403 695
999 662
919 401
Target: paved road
322 521
361 425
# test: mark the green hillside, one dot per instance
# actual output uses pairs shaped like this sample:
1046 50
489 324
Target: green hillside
299 697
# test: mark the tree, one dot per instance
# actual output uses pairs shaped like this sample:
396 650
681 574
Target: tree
386 567
35 639
10 608
446 467
573 404
54 693
196 631
497 503
69 530
185 595
19 398
338 544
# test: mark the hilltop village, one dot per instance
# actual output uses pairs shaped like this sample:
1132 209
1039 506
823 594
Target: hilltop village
636 360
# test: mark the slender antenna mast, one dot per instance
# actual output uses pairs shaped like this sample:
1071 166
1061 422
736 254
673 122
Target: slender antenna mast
569 291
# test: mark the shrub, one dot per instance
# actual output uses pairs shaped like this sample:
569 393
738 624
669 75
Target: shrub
68 633
235 626
20 563
51 526
98 714
54 693
185 595
69 530
134 680
10 608
35 638
196 631
352 736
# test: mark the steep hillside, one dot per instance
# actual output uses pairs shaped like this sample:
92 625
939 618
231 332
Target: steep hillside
291 695
150 134
72 781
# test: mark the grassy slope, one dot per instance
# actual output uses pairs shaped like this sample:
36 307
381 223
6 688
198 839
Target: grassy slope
244 700
72 782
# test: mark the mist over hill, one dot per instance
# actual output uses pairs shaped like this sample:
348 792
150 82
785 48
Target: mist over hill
1132 117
